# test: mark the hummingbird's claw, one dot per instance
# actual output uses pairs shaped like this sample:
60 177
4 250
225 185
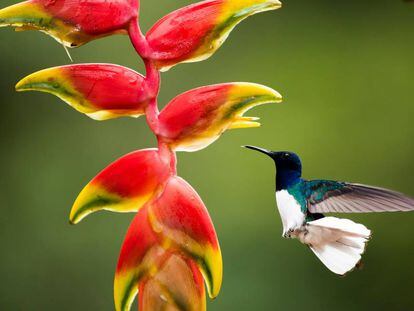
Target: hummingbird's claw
288 234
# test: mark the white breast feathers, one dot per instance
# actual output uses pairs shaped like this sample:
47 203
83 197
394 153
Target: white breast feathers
290 211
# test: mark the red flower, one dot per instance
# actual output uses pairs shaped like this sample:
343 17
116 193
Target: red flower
171 253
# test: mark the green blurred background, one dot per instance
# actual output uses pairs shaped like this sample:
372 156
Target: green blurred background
345 69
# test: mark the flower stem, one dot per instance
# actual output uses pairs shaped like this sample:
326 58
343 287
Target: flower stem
138 39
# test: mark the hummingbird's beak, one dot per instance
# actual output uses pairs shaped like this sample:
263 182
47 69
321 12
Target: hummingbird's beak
265 151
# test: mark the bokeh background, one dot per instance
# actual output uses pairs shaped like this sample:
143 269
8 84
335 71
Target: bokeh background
346 70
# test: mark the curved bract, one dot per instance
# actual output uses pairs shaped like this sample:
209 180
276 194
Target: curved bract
124 186
177 285
176 221
101 91
195 119
72 23
181 218
195 32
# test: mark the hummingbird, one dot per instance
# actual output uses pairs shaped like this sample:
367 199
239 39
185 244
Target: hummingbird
339 243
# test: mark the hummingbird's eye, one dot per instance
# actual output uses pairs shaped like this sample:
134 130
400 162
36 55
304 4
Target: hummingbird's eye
286 155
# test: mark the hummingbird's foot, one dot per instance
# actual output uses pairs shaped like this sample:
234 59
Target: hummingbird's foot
288 234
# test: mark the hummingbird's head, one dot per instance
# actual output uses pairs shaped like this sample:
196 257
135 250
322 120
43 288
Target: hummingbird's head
288 165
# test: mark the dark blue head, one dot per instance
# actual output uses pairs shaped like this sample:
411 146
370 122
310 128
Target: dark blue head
288 167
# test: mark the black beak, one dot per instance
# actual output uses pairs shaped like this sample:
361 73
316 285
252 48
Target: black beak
265 151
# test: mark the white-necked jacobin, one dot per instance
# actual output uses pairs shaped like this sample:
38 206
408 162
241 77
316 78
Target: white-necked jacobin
338 243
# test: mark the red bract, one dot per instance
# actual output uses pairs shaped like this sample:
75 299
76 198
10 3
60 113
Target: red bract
195 119
125 185
101 91
171 247
195 32
177 285
176 221
72 23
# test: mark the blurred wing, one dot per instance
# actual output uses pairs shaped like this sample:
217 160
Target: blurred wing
336 197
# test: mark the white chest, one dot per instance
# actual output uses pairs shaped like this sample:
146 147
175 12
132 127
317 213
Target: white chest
290 211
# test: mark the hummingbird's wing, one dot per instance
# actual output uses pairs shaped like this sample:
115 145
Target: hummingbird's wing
324 196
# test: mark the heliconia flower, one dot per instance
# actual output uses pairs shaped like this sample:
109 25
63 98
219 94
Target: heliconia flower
195 32
177 285
195 119
125 185
101 91
72 23
176 221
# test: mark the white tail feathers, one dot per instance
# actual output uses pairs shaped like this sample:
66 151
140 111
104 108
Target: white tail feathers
338 243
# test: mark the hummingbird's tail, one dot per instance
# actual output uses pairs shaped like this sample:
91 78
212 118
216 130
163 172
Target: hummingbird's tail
338 243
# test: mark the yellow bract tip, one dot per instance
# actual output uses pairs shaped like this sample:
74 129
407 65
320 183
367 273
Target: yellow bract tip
55 82
249 7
